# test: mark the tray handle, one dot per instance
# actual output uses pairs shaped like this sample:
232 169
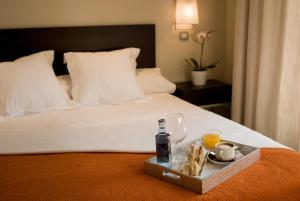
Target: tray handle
171 175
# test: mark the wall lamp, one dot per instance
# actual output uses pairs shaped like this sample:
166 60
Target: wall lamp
186 16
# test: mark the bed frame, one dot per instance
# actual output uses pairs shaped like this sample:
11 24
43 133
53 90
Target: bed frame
15 43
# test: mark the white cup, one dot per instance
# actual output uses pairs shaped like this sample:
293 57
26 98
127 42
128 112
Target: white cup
225 151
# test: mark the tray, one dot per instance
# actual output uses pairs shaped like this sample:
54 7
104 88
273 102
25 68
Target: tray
212 174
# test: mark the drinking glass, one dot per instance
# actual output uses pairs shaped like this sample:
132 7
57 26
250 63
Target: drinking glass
175 126
211 138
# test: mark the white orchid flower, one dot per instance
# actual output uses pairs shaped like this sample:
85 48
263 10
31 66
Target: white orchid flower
201 35
200 38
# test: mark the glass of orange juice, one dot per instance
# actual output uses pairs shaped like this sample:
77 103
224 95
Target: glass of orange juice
211 138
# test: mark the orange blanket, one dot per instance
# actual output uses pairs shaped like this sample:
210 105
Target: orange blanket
107 176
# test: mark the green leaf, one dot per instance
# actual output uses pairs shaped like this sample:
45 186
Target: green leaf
212 65
189 62
195 62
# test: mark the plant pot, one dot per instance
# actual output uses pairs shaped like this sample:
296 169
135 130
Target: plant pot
199 77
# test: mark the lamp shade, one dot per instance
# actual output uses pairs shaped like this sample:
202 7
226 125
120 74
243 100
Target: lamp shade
186 12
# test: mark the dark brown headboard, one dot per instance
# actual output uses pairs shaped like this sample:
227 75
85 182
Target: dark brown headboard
15 43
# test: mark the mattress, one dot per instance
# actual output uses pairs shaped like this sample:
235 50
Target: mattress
116 176
115 128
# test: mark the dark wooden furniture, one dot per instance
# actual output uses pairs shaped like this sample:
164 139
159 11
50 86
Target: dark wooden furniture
15 43
214 96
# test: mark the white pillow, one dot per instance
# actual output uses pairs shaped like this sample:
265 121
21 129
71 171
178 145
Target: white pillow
152 81
29 85
104 77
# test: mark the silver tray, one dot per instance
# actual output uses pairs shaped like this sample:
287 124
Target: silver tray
212 174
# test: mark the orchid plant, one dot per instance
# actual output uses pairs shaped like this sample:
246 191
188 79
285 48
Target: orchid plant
201 38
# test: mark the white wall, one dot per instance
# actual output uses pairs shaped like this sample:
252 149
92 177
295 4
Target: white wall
229 40
170 51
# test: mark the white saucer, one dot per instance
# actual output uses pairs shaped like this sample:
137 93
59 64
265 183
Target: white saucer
212 158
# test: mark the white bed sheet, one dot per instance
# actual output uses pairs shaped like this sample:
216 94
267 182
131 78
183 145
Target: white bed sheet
115 128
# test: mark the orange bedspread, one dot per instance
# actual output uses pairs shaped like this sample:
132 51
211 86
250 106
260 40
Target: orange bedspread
107 176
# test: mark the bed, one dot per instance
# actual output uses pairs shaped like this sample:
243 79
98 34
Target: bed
97 152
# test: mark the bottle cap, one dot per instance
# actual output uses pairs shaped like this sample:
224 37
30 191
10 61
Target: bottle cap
161 122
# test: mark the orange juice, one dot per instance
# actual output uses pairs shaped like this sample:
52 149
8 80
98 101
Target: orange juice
210 140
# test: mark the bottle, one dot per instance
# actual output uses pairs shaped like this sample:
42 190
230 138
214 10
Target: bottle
163 145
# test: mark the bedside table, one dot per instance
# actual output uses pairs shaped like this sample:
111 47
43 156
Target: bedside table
214 96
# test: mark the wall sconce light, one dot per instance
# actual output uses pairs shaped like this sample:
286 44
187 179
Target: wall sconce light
186 16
